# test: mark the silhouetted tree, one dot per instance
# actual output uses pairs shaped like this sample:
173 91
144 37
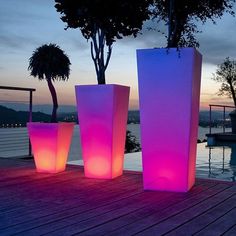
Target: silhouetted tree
182 16
131 143
49 62
103 22
226 75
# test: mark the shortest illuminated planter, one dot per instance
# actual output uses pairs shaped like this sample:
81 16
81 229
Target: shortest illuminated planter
102 115
50 143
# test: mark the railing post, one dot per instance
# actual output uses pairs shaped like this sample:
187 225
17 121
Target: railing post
223 167
30 90
30 117
210 120
30 106
224 121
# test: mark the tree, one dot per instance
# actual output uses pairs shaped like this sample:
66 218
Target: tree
181 17
131 143
49 62
103 22
226 75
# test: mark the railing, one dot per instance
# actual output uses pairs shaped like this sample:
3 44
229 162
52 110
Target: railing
224 117
223 170
20 135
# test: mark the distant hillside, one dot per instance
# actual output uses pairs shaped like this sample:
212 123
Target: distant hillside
12 117
133 116
19 118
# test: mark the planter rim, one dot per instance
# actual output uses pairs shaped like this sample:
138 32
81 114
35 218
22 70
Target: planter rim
168 49
102 85
48 124
158 48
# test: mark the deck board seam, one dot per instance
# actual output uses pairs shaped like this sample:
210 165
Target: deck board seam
127 213
202 213
179 211
214 221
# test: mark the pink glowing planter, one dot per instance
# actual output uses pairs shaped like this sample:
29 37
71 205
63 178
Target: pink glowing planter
50 143
169 90
102 114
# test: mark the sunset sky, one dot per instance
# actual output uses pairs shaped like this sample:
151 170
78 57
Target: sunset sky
27 24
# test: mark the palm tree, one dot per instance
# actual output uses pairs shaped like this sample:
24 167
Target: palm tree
51 63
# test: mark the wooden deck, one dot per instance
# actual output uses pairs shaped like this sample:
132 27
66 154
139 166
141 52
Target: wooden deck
69 204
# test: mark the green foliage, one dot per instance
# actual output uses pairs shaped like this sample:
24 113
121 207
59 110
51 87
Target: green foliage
182 16
49 62
103 22
115 18
226 75
131 143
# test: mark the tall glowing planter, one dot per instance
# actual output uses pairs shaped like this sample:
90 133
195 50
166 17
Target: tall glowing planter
50 143
169 91
102 114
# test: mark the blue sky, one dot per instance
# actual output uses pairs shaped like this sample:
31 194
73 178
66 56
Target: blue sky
27 24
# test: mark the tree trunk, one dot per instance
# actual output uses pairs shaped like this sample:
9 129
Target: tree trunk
170 23
101 61
54 100
101 77
176 25
233 93
175 39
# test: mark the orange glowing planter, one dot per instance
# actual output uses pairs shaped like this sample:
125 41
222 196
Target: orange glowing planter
50 143
102 114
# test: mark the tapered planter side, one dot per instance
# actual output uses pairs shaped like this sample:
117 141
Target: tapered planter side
169 92
50 143
102 115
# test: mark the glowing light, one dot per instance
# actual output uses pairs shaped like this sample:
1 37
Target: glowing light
169 90
50 143
102 113
97 167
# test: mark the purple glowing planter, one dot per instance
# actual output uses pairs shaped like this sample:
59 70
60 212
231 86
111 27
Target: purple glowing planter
169 91
50 143
102 114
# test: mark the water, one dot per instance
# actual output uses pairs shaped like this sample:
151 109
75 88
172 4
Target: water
216 163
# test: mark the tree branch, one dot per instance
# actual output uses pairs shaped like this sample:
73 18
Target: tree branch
108 56
94 58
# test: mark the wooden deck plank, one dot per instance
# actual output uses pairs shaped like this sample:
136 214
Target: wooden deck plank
67 203
79 201
80 226
161 215
114 224
194 225
95 216
80 185
51 179
62 214
221 225
190 213
105 197
231 231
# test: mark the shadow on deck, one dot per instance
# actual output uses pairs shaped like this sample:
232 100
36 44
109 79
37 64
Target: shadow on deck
69 204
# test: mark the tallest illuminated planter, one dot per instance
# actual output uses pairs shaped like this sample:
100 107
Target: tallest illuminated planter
169 91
